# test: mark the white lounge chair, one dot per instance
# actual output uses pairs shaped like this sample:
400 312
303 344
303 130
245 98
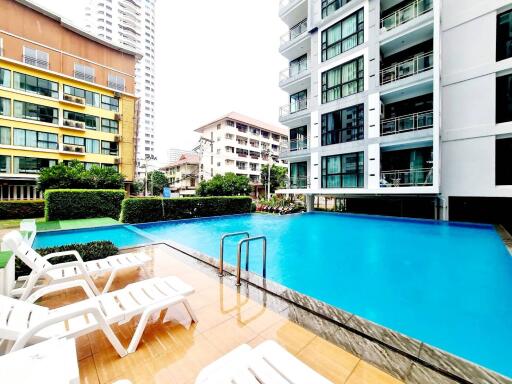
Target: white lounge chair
268 363
61 272
23 322
29 230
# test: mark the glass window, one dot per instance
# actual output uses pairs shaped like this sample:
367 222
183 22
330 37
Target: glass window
83 72
298 65
344 35
37 112
5 135
35 139
330 6
299 175
5 106
298 102
110 126
504 161
92 146
504 99
31 164
343 80
114 166
5 164
91 98
5 78
109 148
343 125
91 122
74 140
35 57
116 82
110 103
36 85
504 36
343 171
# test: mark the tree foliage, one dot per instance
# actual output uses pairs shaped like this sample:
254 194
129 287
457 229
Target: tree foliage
229 184
277 176
74 176
157 180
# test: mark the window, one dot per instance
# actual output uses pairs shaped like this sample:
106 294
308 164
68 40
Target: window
5 135
92 146
83 72
110 103
5 106
330 6
299 138
230 123
344 35
298 102
343 80
36 85
504 99
35 139
35 57
91 122
36 112
504 36
31 164
114 166
116 82
5 78
504 161
74 140
299 175
91 98
343 125
5 164
109 148
343 171
110 126
298 65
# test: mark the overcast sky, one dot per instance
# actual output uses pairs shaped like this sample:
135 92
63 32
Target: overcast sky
212 57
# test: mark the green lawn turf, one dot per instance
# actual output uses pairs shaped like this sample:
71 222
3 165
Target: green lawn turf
15 223
75 224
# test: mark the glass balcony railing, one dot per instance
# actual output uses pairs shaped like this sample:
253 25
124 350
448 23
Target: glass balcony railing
293 72
419 177
411 67
294 107
295 32
293 145
407 13
406 123
298 182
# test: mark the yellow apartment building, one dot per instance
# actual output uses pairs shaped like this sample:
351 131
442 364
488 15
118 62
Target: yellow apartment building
64 95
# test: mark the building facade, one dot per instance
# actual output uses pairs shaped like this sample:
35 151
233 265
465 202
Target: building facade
174 154
131 24
367 108
183 174
57 100
239 144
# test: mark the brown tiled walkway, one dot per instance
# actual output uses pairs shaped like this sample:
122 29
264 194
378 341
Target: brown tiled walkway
174 353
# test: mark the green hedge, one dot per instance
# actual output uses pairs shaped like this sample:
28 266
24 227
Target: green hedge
88 251
62 204
21 209
143 210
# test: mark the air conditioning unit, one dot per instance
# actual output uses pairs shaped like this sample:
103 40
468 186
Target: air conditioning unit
118 117
79 124
69 123
73 148
68 97
117 138
117 94
117 160
79 100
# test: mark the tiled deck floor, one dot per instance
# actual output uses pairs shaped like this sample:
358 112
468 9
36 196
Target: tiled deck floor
173 354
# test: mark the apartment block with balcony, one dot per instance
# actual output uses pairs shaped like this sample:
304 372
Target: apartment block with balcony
240 144
183 174
57 102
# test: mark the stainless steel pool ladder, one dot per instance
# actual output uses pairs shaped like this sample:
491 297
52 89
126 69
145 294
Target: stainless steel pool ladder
221 253
239 256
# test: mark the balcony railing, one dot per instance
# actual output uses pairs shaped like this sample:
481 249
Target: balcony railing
297 182
419 177
294 72
31 60
294 107
84 76
417 64
406 123
295 32
293 145
407 13
117 86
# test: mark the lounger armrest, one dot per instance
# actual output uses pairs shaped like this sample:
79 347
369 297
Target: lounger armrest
60 287
78 264
63 253
58 316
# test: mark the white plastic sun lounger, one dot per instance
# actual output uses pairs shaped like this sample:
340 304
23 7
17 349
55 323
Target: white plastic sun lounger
29 230
23 322
61 272
268 363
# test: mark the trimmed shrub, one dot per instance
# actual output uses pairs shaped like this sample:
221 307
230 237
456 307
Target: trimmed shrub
62 204
21 209
89 251
143 210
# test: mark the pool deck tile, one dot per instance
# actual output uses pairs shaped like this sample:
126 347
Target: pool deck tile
175 352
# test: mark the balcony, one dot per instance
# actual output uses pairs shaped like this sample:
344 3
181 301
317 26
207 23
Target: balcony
296 34
73 100
293 79
74 125
416 65
292 11
419 177
84 76
298 182
407 123
294 148
293 110
72 149
36 62
403 15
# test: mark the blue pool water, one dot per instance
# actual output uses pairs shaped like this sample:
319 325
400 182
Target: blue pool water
445 284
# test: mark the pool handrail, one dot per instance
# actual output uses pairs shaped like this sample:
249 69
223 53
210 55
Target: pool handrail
221 253
239 256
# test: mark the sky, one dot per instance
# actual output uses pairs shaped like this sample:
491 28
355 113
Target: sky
212 57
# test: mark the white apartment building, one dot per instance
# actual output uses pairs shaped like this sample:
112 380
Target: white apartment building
183 174
131 23
239 144
395 112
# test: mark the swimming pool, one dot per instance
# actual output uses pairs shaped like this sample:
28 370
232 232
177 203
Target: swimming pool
448 285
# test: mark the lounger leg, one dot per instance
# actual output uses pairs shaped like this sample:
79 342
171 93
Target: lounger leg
114 340
140 330
190 311
30 286
110 280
